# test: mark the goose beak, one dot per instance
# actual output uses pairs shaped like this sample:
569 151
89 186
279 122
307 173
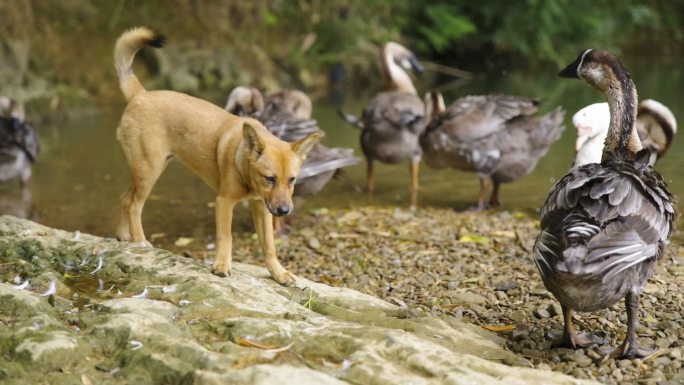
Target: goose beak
579 142
582 136
416 66
570 71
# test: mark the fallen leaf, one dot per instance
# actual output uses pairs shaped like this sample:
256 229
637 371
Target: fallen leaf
335 235
503 233
498 328
269 347
474 239
86 380
183 241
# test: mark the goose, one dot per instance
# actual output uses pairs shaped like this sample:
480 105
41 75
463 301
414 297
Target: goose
604 225
18 143
287 114
655 124
295 102
393 121
496 136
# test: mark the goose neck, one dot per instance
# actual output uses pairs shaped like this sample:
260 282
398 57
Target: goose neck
622 138
397 78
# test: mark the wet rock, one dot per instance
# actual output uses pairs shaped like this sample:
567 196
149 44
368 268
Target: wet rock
50 350
242 329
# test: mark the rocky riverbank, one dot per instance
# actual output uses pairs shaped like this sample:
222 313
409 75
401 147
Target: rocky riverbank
477 267
81 309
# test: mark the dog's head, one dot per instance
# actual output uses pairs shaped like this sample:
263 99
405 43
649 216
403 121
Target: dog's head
274 165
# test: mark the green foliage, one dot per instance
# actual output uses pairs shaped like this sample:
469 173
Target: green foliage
286 43
536 30
442 25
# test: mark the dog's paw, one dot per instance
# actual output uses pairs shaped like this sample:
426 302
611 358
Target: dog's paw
284 277
123 238
145 244
221 269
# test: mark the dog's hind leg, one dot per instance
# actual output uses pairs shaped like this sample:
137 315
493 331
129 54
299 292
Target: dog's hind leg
145 172
263 221
123 232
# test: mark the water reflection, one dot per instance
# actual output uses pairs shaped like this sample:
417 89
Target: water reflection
81 171
15 200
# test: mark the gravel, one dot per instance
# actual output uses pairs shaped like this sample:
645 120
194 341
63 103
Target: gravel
478 267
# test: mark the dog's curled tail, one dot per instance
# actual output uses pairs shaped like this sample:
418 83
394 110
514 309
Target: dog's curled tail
128 44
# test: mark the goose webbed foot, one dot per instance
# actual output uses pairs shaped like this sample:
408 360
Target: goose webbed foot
631 349
576 340
573 340
630 346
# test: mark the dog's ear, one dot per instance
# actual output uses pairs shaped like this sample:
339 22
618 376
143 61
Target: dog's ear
304 145
253 142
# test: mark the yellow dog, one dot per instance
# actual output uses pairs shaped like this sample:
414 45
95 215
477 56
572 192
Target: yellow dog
237 157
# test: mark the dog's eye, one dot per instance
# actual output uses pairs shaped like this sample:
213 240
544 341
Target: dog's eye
291 180
270 179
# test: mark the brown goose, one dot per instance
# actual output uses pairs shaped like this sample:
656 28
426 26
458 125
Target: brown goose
294 102
604 225
393 121
496 136
287 114
655 124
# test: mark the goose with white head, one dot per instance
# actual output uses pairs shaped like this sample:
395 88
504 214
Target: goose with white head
605 225
394 120
655 124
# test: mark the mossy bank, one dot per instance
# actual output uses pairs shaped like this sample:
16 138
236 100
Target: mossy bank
82 309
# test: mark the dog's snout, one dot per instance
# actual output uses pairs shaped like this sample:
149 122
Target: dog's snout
282 210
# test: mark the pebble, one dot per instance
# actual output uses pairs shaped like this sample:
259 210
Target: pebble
518 316
675 354
505 286
542 313
314 243
555 309
624 364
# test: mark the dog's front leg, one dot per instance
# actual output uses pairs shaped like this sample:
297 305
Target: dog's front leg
263 221
224 236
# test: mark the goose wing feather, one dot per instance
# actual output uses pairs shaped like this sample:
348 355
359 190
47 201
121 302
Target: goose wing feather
394 111
601 219
283 124
472 117
323 159
491 133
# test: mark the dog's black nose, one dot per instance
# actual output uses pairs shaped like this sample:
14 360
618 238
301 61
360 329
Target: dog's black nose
282 210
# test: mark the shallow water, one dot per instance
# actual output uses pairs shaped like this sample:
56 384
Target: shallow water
81 171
